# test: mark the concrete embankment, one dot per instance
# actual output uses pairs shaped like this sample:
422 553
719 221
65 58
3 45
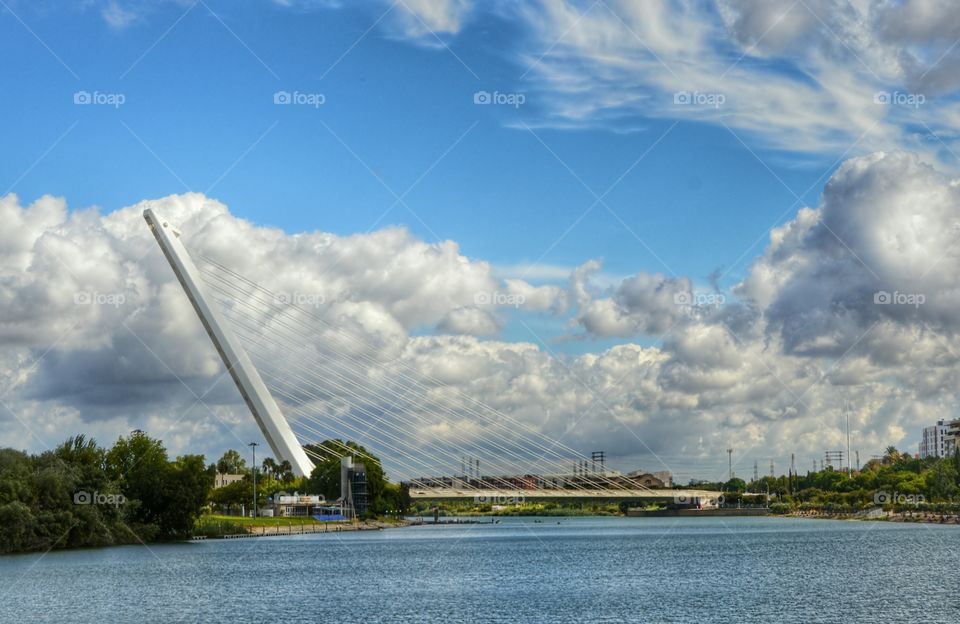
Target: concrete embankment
301 529
695 513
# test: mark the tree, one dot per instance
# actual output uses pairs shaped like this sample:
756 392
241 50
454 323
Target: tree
956 465
231 463
285 472
891 456
325 478
942 480
186 487
233 495
735 484
269 466
163 498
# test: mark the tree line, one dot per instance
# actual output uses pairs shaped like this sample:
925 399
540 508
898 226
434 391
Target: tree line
895 479
82 494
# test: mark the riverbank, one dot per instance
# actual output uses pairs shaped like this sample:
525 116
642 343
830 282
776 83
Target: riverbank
263 530
230 527
880 515
697 513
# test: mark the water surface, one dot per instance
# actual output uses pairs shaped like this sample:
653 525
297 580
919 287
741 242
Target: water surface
522 570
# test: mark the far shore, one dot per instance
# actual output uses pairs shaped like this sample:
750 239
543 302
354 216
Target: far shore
924 517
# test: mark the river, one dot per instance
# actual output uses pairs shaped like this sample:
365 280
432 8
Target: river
727 570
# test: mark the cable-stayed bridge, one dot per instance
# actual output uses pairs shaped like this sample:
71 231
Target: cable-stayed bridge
308 377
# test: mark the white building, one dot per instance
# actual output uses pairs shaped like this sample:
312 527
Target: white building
223 479
296 505
939 440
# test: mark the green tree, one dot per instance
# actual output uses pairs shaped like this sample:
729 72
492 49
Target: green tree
233 495
941 480
735 484
285 472
269 466
186 488
231 463
162 497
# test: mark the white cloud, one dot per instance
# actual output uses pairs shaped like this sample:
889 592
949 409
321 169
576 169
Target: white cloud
426 18
800 76
771 368
117 16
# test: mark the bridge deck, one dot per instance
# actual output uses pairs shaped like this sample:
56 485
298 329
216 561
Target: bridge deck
689 496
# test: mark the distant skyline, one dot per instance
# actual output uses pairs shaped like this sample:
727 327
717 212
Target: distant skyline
724 219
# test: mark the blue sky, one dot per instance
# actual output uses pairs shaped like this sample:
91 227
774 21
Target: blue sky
663 138
198 114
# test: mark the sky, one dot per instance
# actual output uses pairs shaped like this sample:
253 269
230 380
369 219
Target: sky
697 202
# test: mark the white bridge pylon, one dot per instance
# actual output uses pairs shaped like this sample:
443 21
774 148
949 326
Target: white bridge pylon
265 410
337 388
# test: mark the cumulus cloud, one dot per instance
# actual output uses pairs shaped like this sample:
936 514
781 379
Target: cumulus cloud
99 337
643 303
880 248
94 320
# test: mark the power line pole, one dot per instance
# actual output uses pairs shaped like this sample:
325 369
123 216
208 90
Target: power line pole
730 463
771 470
755 475
253 447
847 411
858 460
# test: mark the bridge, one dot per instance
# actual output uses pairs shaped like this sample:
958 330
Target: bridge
682 498
335 385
